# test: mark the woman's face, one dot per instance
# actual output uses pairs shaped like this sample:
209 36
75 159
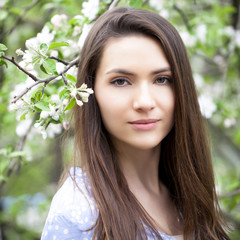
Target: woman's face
134 91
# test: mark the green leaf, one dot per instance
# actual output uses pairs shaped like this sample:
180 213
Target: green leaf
2 62
44 48
43 69
38 95
16 11
71 78
135 3
17 154
64 94
3 14
70 105
3 47
55 45
55 122
23 116
50 66
4 163
43 106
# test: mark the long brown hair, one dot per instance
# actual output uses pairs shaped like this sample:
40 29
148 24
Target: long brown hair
185 164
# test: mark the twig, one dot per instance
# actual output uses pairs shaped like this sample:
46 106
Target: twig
64 79
232 48
20 68
183 15
230 194
19 19
113 4
45 84
38 80
59 60
16 161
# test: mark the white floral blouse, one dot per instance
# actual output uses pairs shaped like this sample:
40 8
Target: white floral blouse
73 211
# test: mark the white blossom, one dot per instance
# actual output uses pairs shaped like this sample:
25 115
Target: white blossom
44 134
58 20
237 38
90 9
219 60
55 99
45 36
207 105
188 39
19 88
2 2
85 31
76 31
37 125
19 52
198 80
65 102
66 125
73 71
164 13
54 53
33 54
79 102
32 43
229 31
84 96
68 51
44 114
12 107
53 129
229 122
53 112
73 92
202 32
23 127
60 67
29 67
157 4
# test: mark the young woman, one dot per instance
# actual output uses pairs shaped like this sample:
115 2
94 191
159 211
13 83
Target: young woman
145 170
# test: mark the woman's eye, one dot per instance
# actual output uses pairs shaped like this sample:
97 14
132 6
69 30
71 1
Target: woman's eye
120 82
163 80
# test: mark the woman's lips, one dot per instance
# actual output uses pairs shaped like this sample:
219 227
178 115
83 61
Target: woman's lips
144 124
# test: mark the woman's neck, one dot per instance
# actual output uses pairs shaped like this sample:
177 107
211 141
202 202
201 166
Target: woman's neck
140 167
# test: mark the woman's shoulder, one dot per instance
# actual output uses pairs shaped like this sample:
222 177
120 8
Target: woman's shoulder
73 209
75 193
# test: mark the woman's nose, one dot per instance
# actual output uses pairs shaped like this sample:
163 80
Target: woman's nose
143 98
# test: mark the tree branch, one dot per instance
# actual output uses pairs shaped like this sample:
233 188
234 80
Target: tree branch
59 60
12 60
183 15
230 194
16 162
232 48
113 4
36 79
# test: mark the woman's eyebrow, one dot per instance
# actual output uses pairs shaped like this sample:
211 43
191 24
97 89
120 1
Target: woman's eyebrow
167 69
123 71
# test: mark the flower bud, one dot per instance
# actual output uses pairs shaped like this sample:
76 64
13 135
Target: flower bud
19 52
66 125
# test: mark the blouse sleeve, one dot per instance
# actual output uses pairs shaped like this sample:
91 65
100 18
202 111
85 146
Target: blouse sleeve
72 212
